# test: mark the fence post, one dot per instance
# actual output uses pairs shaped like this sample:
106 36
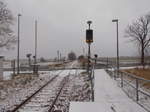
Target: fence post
137 91
121 79
115 72
13 66
92 82
107 62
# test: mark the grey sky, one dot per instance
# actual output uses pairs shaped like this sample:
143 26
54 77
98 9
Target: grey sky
62 25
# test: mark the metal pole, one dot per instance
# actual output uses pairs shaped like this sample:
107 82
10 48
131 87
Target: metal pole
117 51
35 59
89 26
121 79
35 42
18 68
107 62
137 91
89 50
89 55
58 55
13 65
89 70
116 20
92 85
95 62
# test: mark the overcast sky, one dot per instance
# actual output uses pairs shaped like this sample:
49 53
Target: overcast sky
62 25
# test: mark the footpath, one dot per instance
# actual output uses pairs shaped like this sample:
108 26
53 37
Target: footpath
108 97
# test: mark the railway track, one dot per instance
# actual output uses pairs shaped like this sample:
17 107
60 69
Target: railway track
60 102
33 95
50 97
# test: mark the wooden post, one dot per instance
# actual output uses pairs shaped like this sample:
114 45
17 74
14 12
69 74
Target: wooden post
137 91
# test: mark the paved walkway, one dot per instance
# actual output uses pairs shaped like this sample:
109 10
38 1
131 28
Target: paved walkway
108 97
107 92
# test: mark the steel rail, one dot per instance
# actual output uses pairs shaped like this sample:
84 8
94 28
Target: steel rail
58 94
26 100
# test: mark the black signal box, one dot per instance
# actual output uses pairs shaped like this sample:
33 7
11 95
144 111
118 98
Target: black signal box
96 55
89 36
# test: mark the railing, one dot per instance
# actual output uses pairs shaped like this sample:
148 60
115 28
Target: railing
135 87
92 81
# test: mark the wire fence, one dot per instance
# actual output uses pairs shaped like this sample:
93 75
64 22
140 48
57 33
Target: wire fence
135 87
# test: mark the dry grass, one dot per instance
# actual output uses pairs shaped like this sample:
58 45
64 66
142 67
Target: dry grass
143 73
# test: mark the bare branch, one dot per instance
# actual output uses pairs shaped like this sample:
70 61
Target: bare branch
7 37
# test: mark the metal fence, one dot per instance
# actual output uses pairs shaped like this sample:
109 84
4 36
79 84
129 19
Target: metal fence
135 87
91 81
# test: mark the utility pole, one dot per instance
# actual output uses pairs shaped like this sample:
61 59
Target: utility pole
18 53
35 62
89 40
35 67
116 21
58 55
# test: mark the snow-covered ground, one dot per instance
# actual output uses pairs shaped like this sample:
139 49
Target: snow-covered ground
108 97
20 93
8 74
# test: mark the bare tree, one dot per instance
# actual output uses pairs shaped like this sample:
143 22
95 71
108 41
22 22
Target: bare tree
7 37
42 59
139 32
72 56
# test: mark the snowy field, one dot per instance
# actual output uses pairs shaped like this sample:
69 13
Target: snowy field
108 97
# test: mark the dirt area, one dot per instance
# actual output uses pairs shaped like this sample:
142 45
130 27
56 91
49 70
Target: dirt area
143 73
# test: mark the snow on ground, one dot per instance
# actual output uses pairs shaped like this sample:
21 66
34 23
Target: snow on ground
90 107
107 91
7 75
71 65
108 97
20 94
71 72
